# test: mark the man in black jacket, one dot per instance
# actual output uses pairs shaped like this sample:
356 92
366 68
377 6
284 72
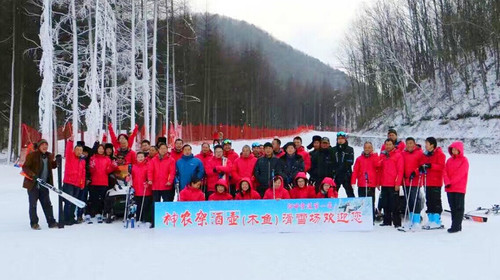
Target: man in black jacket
291 163
344 159
322 163
265 169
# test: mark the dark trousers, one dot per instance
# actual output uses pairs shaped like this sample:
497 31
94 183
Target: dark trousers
262 190
456 201
83 196
208 194
96 197
391 206
69 208
158 196
413 196
146 210
40 193
232 189
347 186
433 200
368 192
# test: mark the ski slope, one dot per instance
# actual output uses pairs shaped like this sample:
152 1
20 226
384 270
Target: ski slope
102 251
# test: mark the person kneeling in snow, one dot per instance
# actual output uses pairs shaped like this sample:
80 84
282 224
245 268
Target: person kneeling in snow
221 191
455 180
277 191
246 191
301 189
192 192
327 189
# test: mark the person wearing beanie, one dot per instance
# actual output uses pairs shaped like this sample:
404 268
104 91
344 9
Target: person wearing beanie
393 135
74 178
39 164
456 174
432 165
291 164
265 169
344 159
317 139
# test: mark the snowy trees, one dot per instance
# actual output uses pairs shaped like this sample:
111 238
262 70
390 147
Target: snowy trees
395 45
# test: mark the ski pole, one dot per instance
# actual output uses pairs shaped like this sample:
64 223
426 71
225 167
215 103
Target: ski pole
142 203
407 198
272 184
417 194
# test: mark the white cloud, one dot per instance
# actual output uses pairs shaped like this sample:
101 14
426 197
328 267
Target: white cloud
315 27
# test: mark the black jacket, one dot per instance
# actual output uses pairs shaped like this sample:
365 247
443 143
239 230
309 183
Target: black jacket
322 164
264 168
344 159
291 168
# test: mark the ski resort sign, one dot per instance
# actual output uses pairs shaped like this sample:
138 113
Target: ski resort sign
289 215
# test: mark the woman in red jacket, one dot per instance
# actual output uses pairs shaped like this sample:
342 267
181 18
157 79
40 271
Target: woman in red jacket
143 192
116 141
456 174
243 166
192 192
246 191
365 172
392 171
74 178
100 166
432 167
218 167
327 189
277 191
301 189
222 191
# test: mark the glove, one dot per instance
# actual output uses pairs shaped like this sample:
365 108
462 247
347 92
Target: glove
412 175
447 186
427 165
385 153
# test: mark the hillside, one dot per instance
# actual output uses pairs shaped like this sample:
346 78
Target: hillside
287 61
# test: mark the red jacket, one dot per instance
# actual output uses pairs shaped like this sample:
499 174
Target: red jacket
213 177
161 172
307 158
74 168
332 191
280 154
130 156
392 169
231 155
305 192
456 172
248 195
100 167
400 146
243 167
437 159
191 194
366 166
175 154
140 179
205 158
114 140
281 192
412 162
221 196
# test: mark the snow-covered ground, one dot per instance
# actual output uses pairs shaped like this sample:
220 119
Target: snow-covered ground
102 251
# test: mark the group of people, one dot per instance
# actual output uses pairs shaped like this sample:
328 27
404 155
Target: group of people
268 171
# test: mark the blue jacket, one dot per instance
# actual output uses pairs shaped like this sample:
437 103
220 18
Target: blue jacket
186 168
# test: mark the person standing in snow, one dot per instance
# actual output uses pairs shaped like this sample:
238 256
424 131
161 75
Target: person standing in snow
39 164
432 165
232 156
188 167
74 178
393 135
143 192
265 168
176 151
392 170
100 166
366 173
243 167
302 152
412 155
322 163
291 164
344 159
456 174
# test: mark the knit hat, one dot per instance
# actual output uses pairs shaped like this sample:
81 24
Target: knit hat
42 141
80 143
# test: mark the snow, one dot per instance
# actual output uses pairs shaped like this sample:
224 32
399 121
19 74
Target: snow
102 251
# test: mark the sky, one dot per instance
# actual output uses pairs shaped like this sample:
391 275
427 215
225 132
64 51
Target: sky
315 27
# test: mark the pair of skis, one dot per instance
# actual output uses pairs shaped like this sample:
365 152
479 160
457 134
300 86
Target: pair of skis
130 207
